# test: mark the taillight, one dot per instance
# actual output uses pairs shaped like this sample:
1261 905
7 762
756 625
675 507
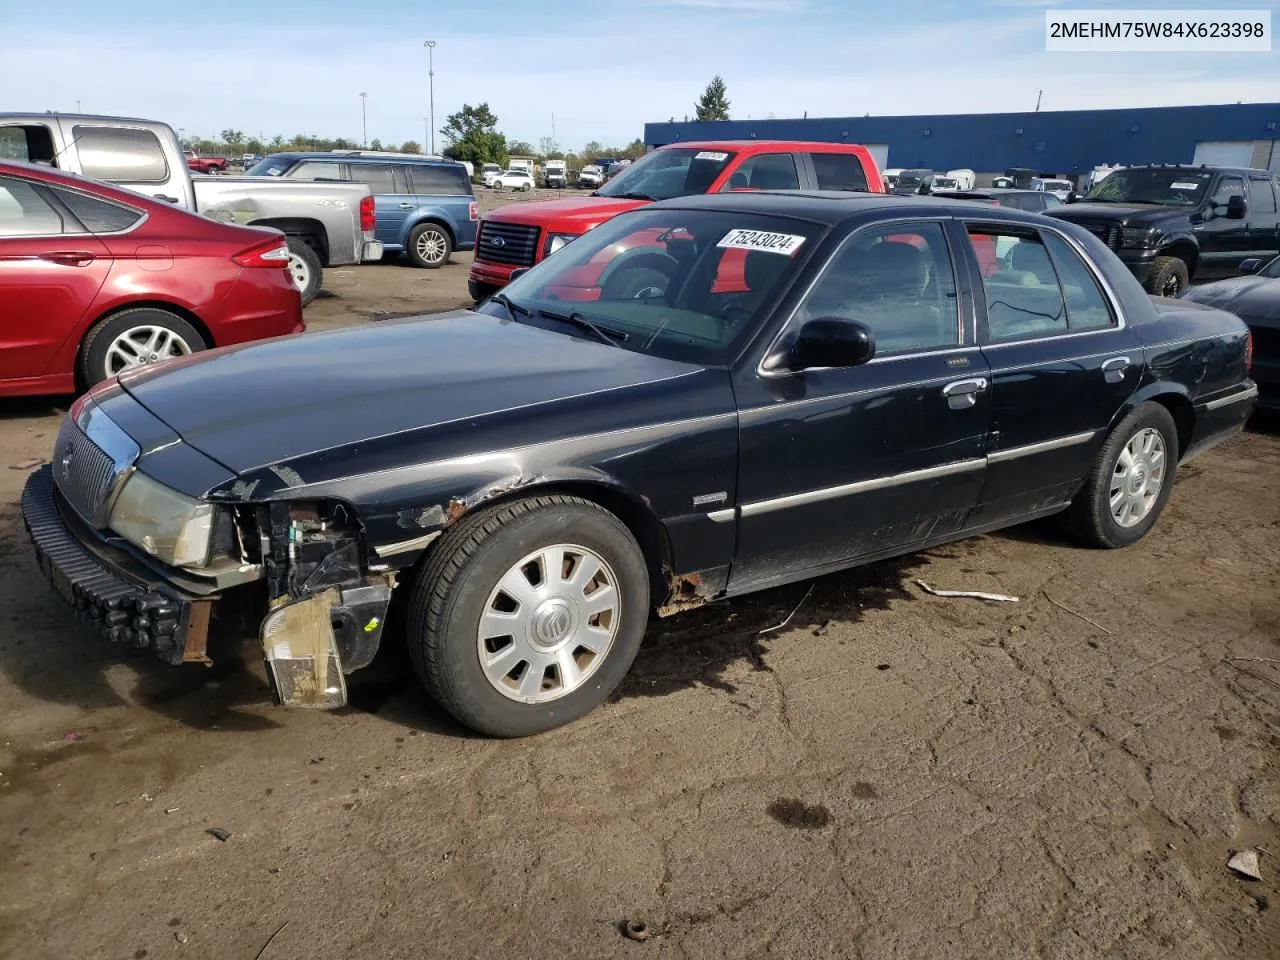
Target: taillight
366 214
475 210
268 253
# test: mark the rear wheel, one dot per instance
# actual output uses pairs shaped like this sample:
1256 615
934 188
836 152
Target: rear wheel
1130 482
135 338
1169 277
429 246
529 614
304 268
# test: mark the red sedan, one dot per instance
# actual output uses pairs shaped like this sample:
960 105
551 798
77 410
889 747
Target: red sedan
95 279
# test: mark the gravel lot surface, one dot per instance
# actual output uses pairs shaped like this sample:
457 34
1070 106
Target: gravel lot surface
890 775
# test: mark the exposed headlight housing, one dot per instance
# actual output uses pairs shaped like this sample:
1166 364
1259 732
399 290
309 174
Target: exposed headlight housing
557 240
173 528
1138 237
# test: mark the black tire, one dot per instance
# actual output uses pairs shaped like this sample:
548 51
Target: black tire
481 291
1089 518
436 238
305 268
94 366
1169 277
452 591
631 280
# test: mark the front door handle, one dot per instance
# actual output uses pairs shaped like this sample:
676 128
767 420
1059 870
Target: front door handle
1113 370
963 394
408 206
166 198
69 258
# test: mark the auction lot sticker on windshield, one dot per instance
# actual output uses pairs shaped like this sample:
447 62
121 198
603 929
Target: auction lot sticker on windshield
743 239
1184 186
711 155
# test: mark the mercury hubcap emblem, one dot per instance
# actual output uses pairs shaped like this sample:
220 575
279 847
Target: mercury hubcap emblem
551 623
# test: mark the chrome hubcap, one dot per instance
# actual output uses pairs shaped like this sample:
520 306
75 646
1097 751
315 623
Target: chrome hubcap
143 345
1138 477
300 272
431 246
549 623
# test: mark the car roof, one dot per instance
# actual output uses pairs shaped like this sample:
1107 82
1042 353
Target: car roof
830 207
754 146
1198 168
356 158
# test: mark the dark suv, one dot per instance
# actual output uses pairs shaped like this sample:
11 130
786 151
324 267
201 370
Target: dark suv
1170 223
424 207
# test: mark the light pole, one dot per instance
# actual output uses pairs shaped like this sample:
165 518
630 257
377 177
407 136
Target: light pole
426 135
364 120
431 84
77 106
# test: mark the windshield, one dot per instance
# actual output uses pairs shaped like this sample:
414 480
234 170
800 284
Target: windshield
945 183
912 178
685 285
270 167
1166 187
664 174
1271 270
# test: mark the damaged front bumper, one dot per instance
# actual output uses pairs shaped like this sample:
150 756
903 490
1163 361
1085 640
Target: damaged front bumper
319 627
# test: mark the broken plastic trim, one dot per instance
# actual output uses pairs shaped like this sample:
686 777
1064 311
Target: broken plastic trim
302 653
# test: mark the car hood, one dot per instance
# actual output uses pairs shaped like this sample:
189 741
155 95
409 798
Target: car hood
568 215
258 404
1253 298
1128 214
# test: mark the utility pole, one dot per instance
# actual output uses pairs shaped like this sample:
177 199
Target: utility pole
426 135
554 146
77 106
364 120
431 83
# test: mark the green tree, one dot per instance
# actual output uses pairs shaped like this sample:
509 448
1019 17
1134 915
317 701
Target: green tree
410 146
375 144
634 150
233 138
254 146
713 104
519 148
548 149
277 142
473 136
593 149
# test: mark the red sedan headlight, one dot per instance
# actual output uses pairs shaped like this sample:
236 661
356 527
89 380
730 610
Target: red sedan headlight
268 253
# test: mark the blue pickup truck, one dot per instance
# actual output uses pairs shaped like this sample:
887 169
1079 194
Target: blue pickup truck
424 206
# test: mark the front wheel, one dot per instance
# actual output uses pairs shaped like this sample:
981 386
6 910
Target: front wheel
429 246
529 614
1169 277
1130 482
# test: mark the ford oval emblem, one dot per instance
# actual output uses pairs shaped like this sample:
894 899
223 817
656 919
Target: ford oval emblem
498 242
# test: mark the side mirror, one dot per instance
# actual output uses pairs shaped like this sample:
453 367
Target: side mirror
1236 207
1072 196
518 273
825 342
1250 266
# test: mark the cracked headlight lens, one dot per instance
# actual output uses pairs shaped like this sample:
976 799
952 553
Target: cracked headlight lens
166 524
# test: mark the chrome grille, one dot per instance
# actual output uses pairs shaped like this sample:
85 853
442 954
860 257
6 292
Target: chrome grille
513 243
81 470
1108 233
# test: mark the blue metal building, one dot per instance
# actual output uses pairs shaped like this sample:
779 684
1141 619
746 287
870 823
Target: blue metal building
1068 142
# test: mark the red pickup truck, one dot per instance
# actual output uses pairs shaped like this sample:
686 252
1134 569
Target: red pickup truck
522 234
198 164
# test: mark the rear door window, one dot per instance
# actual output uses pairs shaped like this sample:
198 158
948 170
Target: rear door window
381 177
1262 198
1087 307
838 171
120 154
24 213
439 180
766 171
1024 300
317 170
98 216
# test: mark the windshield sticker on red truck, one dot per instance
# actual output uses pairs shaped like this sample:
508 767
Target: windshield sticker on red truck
711 155
743 239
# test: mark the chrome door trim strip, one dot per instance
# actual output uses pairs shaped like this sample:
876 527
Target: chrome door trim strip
1248 393
1030 449
722 516
861 486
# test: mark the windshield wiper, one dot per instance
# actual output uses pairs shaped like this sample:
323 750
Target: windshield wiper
513 308
607 334
633 196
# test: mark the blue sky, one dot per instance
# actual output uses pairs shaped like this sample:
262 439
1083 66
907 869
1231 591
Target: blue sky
601 68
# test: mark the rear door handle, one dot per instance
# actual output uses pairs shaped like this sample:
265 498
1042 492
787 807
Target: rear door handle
69 258
408 206
963 394
1113 370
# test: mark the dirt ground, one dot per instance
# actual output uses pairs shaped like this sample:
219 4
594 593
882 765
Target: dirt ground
890 775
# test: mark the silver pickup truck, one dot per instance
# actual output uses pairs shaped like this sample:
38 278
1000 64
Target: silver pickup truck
326 223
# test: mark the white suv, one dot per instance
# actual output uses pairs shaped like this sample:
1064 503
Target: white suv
515 179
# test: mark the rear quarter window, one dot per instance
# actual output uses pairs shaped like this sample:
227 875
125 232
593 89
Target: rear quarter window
839 171
98 216
439 180
120 154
